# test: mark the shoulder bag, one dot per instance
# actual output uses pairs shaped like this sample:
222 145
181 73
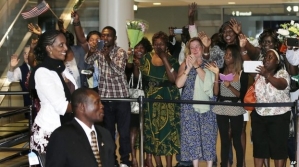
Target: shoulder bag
250 96
135 92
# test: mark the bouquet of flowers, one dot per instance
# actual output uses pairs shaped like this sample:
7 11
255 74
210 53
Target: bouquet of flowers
135 30
288 30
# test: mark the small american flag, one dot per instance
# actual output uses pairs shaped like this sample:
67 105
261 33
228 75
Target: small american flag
36 11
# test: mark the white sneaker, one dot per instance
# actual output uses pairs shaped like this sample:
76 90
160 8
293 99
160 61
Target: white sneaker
293 164
123 165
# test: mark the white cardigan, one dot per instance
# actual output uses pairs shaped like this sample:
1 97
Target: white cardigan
52 98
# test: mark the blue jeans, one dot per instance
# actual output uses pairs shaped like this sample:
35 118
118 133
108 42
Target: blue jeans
119 113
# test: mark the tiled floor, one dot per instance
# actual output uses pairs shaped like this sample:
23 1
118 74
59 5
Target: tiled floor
248 154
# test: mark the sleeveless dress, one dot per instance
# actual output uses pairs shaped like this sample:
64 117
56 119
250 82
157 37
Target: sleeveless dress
198 130
161 120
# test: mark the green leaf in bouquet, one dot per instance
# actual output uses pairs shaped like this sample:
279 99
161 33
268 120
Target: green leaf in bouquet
134 36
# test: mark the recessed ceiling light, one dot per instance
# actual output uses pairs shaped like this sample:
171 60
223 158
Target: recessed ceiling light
231 3
157 3
135 7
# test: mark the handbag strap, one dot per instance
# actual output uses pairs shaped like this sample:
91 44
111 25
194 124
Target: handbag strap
139 84
131 81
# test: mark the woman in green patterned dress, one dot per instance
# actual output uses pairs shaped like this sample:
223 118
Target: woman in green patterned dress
161 120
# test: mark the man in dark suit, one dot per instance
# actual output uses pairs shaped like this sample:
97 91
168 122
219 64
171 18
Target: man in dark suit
70 144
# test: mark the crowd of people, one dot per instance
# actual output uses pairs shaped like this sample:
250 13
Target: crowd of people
71 118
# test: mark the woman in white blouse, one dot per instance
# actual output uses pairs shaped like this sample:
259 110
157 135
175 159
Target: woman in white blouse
53 84
270 125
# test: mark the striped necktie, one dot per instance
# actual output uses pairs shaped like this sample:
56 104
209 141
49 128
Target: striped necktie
94 148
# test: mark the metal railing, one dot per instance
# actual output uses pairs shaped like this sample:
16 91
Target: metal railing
141 100
15 138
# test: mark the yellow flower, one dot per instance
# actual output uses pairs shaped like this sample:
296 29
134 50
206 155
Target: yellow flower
293 29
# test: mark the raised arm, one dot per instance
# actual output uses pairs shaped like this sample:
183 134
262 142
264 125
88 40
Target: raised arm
191 13
206 41
191 18
242 42
31 57
252 51
14 74
79 31
279 83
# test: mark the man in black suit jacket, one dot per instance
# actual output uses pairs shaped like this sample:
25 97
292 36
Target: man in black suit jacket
69 144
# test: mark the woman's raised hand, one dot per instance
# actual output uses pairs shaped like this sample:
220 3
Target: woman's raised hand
192 8
206 41
212 67
243 40
75 16
236 26
14 61
34 29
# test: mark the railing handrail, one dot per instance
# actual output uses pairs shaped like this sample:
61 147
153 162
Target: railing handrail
2 4
12 24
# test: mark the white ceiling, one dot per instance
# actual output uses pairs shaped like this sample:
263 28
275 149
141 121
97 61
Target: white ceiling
149 3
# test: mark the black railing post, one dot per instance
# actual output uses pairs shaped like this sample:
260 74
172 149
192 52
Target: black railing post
30 122
141 156
297 132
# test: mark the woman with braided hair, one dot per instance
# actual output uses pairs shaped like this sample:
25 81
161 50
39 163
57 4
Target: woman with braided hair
52 83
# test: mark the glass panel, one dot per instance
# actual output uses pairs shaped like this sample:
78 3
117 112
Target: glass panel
16 34
256 18
89 16
211 13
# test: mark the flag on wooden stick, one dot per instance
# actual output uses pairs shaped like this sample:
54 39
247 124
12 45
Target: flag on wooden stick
37 10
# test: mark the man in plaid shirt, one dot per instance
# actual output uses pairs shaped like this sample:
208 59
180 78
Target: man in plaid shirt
113 84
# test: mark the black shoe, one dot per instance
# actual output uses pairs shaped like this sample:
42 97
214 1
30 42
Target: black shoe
178 165
116 163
